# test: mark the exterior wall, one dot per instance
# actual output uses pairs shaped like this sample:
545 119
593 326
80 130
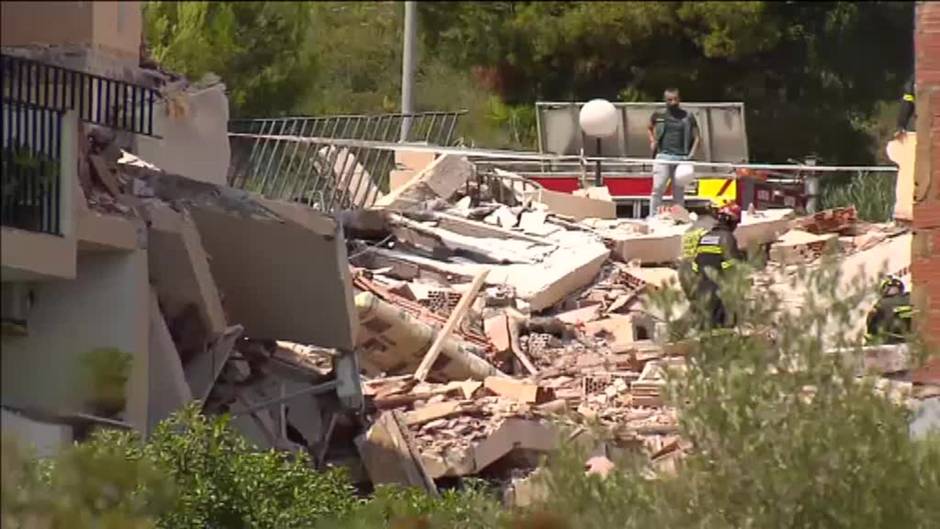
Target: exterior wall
925 267
107 305
111 26
45 439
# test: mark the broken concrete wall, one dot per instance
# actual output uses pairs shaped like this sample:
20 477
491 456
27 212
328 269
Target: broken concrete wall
440 179
168 388
281 280
107 305
179 269
281 267
193 130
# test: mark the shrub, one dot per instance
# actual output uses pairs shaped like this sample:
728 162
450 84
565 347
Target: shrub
785 434
218 481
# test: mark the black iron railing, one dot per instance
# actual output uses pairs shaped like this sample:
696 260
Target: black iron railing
99 100
301 159
31 139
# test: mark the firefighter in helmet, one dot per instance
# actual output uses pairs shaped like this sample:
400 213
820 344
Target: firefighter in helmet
716 252
890 320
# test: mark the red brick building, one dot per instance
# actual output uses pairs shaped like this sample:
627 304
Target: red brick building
926 251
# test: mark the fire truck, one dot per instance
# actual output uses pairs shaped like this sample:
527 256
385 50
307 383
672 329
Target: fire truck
723 140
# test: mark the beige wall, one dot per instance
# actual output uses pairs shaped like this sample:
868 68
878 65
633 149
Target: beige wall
281 280
110 26
107 305
194 143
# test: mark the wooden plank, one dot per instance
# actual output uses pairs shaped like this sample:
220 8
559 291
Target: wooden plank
389 455
459 312
514 323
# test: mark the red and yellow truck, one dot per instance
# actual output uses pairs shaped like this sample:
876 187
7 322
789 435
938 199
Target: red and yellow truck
723 140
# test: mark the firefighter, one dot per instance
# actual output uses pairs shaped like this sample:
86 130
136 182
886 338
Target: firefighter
890 320
717 251
690 241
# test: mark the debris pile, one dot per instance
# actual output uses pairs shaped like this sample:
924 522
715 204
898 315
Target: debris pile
558 340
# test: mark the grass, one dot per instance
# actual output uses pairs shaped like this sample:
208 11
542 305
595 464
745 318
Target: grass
872 194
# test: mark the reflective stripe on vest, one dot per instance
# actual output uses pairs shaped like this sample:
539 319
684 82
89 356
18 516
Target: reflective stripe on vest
904 311
709 249
908 98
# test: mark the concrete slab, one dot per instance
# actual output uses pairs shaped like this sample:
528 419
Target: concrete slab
574 206
514 434
659 247
762 227
282 280
441 179
179 268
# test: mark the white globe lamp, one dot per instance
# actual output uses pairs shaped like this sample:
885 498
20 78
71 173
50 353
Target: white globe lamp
598 118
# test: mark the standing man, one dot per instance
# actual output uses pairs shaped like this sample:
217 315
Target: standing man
674 136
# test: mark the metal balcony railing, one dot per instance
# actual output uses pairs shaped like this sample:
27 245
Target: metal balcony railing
300 159
31 139
109 102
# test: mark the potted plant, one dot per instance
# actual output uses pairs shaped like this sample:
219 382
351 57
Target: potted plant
105 372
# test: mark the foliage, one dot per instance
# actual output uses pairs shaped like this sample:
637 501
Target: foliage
89 486
784 434
105 372
471 507
261 50
872 194
809 74
218 478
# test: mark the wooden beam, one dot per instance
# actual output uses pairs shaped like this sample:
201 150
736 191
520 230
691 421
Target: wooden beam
515 320
455 317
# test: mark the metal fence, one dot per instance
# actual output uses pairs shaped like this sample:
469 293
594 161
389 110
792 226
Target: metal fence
296 158
99 100
31 139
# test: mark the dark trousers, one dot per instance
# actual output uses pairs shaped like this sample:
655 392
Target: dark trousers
713 314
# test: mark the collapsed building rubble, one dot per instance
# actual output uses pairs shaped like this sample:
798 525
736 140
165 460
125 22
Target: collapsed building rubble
560 334
483 332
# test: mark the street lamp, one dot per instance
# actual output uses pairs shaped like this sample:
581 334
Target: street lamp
598 118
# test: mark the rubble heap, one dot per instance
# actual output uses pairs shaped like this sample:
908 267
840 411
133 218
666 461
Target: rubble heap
558 335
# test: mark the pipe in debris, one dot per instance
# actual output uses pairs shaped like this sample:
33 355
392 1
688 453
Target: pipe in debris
392 340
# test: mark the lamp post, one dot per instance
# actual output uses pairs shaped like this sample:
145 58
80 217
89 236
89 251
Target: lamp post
598 119
408 67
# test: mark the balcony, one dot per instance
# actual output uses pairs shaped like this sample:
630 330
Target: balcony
31 176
